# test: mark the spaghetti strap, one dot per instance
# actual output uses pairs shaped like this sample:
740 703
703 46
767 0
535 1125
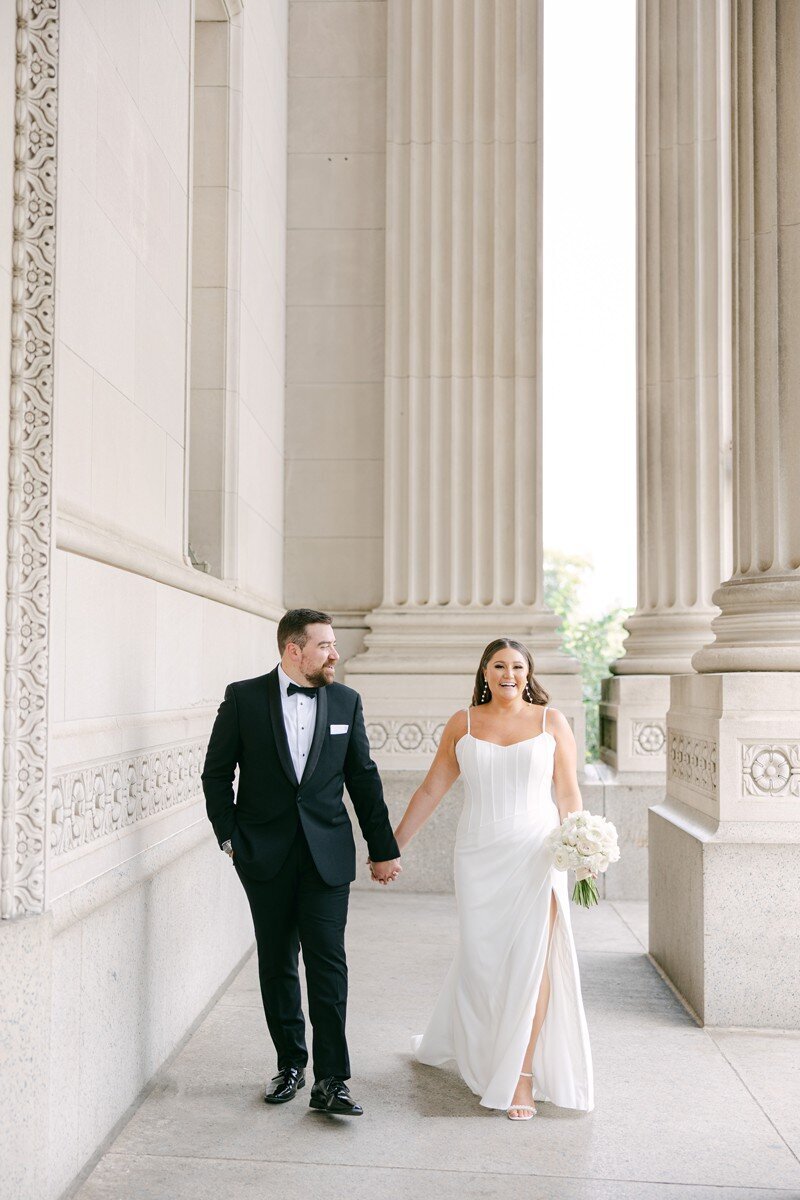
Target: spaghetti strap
544 718
466 710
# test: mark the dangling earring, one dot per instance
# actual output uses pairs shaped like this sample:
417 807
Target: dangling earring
528 694
485 692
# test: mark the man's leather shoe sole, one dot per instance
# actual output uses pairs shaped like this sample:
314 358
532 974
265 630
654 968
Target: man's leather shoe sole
325 1106
301 1083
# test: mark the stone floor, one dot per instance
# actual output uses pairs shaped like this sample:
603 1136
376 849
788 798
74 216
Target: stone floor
680 1111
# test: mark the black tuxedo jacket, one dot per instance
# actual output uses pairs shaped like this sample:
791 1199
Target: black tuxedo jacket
249 733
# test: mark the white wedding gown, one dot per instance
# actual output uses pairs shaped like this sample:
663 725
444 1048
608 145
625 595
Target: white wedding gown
504 879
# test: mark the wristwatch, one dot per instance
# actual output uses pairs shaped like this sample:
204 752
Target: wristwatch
228 847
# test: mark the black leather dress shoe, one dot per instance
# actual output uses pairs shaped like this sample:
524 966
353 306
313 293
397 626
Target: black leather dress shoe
333 1096
285 1085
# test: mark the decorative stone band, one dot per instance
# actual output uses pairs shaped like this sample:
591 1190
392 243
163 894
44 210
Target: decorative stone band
22 810
407 735
90 802
771 770
692 761
648 737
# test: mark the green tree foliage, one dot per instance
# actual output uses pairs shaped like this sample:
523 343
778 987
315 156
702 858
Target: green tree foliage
594 641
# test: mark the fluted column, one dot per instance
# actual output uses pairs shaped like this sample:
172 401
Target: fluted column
684 270
723 843
463 477
759 625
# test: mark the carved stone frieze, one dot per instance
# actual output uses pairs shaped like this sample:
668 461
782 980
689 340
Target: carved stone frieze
92 801
771 770
692 760
405 735
24 788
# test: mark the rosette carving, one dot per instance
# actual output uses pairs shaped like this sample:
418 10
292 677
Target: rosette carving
771 769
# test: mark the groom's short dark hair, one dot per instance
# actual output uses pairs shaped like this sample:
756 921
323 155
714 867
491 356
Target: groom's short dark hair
292 626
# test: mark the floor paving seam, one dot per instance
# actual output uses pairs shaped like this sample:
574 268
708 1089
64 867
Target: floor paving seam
751 1093
628 926
467 1171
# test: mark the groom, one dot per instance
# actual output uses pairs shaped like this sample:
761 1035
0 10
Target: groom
298 738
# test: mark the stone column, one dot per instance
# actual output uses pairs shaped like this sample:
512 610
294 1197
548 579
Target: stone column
723 847
683 389
463 479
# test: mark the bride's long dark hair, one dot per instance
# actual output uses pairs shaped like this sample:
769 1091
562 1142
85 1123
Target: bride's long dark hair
534 693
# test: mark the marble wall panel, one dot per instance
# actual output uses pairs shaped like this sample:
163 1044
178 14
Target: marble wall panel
334 573
338 39
260 470
335 344
337 115
122 262
261 382
179 640
128 465
72 463
335 296
259 511
329 420
25 998
336 267
130 982
109 651
353 499
260 551
337 191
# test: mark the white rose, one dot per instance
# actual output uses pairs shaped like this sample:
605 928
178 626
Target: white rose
561 858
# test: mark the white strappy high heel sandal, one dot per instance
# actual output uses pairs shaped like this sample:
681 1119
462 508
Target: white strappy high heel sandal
528 1109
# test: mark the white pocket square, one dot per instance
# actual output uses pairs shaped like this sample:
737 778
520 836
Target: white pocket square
339 728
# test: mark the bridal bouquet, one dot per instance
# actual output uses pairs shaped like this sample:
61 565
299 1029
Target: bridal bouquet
585 844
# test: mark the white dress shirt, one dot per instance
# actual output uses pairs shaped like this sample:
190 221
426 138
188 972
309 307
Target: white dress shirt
299 720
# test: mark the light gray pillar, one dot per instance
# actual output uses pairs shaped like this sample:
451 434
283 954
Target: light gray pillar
463 462
723 845
684 268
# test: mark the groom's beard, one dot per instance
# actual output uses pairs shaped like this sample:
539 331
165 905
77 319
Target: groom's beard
319 678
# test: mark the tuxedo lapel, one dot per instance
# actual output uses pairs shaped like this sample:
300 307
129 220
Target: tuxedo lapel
320 729
278 727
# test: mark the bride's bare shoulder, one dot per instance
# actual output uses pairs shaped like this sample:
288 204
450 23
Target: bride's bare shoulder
557 723
456 726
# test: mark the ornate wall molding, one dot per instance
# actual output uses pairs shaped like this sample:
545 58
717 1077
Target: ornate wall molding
98 799
692 761
24 790
648 737
771 770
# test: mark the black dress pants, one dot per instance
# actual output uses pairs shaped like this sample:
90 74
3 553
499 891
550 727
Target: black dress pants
297 910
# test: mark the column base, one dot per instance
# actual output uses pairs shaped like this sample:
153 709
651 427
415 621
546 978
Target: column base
723 917
633 722
424 640
724 847
758 628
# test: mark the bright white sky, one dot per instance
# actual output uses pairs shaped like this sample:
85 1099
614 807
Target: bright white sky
589 291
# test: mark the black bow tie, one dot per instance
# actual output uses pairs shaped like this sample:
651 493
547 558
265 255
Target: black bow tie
294 687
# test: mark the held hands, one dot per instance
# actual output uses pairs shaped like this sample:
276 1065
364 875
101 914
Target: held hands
384 872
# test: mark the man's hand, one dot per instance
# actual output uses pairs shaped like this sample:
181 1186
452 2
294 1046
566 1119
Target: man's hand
385 872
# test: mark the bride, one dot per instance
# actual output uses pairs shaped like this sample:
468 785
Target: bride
510 1013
